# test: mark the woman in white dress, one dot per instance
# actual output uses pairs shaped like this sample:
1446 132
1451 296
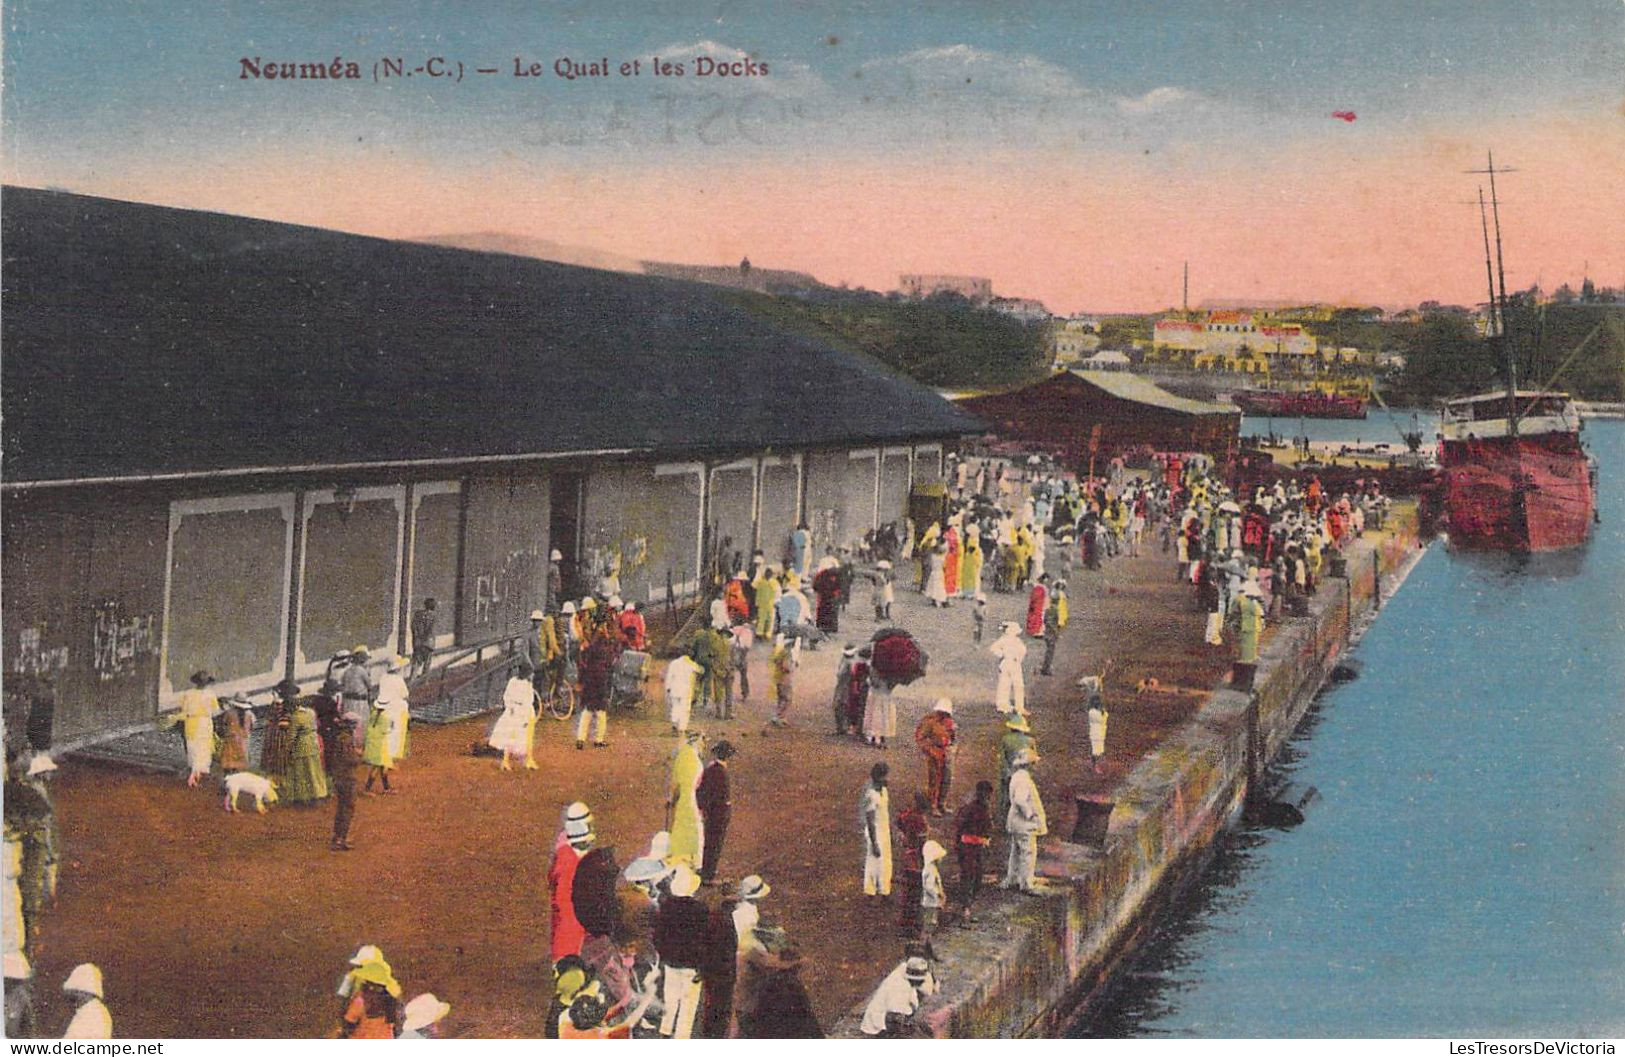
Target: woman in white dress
515 730
936 588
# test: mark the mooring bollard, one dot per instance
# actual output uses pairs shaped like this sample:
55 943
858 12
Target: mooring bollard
1094 818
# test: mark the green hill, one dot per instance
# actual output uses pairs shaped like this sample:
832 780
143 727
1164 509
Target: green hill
944 341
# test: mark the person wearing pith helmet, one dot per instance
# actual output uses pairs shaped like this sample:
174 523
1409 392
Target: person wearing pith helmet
91 1020
935 736
422 1016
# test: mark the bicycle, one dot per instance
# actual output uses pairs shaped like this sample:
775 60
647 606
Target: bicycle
560 700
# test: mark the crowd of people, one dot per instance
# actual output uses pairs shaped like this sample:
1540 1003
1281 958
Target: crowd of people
713 964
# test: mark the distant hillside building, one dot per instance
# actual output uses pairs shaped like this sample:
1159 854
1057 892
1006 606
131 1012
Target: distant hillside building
972 288
1026 309
1233 340
1071 340
743 277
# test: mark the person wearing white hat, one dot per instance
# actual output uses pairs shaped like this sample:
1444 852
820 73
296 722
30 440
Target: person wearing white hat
752 890
1025 822
1010 693
1249 610
891 1010
932 895
422 1016
650 871
91 1020
19 996
883 592
555 579
633 630
566 933
781 677
375 748
935 735
365 955
393 690
680 933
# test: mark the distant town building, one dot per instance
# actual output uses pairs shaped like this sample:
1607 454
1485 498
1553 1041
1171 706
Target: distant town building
1107 360
1026 309
972 288
1233 340
1071 340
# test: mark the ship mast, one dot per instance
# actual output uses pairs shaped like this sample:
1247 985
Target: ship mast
1499 304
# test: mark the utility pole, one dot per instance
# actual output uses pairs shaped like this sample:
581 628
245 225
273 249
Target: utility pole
1185 299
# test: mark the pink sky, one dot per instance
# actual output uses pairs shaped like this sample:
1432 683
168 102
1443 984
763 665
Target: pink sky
1378 219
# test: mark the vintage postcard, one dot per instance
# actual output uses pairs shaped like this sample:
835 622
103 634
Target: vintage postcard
818 520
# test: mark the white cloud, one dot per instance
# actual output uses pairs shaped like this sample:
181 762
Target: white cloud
1162 100
961 67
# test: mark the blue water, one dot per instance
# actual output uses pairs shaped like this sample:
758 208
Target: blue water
1378 427
1463 871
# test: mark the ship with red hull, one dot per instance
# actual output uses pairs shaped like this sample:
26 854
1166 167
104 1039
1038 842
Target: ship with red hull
1283 404
1515 475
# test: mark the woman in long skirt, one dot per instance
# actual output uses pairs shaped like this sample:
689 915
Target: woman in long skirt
306 781
970 566
687 828
238 723
198 708
935 586
515 730
394 698
276 754
879 713
375 749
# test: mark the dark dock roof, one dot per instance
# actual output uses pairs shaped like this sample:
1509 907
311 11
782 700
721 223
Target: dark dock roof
143 341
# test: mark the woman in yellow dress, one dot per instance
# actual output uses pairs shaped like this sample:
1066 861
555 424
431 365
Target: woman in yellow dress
198 708
686 827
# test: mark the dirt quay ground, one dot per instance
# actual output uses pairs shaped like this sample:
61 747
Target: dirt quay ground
215 925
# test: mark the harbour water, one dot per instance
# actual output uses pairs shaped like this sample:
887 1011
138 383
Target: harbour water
1462 870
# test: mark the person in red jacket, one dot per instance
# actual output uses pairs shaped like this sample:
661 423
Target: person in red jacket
736 596
567 933
633 631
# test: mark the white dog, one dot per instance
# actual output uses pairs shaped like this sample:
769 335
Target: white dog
262 789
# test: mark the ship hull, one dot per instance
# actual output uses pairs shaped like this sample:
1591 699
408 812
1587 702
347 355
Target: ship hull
1523 494
1295 405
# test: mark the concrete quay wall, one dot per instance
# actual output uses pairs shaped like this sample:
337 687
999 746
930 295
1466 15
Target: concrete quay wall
1033 964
